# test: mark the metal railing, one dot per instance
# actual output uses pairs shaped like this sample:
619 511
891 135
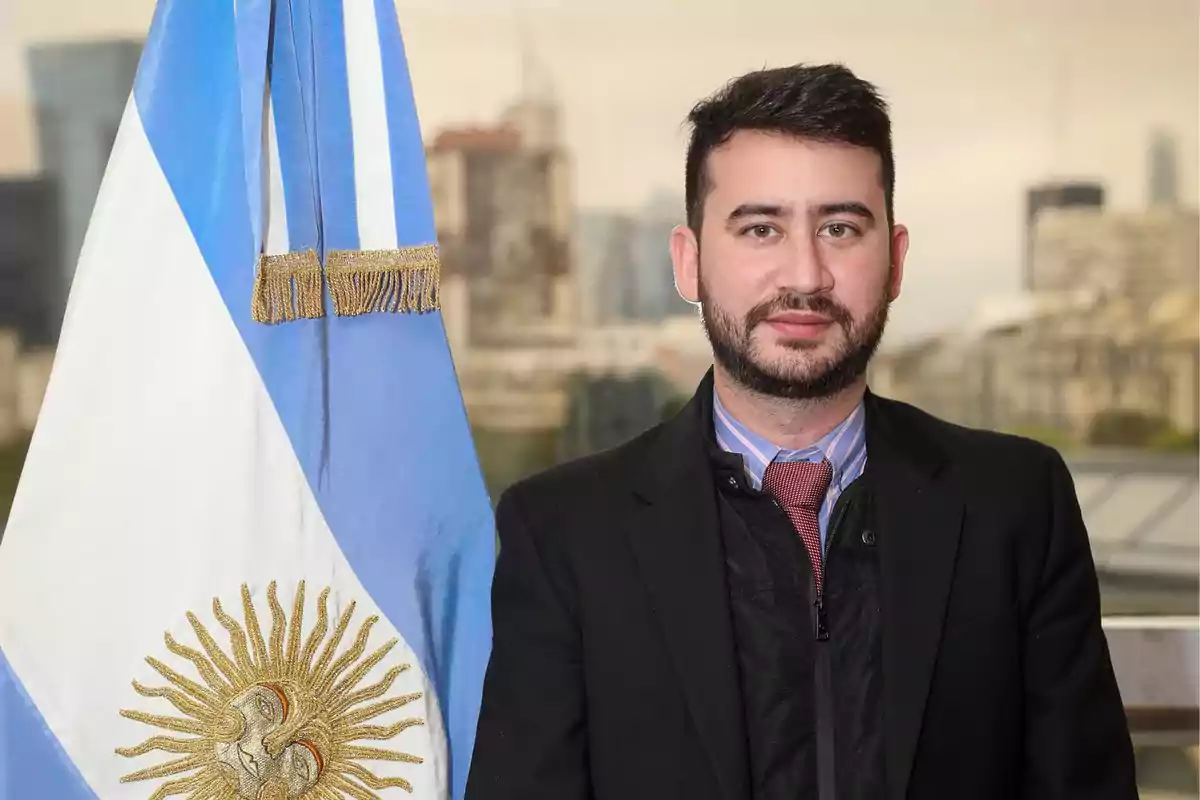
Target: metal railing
1157 661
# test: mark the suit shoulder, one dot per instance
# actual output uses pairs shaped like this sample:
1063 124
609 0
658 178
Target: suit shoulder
584 480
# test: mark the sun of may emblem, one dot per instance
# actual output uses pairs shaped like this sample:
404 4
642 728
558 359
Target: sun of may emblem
274 719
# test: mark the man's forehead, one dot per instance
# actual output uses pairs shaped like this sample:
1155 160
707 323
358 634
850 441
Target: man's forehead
746 202
798 174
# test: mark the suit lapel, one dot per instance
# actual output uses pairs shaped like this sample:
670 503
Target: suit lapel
675 538
918 520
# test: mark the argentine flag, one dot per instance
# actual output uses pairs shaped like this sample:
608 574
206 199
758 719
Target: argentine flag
251 551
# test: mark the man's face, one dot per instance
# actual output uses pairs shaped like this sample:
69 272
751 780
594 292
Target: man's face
795 266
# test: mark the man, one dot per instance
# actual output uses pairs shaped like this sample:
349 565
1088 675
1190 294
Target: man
796 588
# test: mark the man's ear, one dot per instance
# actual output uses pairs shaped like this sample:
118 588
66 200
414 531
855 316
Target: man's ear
685 261
899 251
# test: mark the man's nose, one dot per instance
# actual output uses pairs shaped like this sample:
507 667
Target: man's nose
802 267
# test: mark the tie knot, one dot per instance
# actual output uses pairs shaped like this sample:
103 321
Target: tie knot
799 484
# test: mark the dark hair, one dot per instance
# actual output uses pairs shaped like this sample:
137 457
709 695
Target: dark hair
827 102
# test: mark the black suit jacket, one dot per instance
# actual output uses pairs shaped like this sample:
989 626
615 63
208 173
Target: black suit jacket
613 674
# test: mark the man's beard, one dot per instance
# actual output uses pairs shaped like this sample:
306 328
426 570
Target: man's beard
735 351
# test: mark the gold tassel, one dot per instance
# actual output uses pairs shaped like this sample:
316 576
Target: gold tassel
288 287
394 281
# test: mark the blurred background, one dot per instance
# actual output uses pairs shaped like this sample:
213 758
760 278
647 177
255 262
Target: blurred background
1047 163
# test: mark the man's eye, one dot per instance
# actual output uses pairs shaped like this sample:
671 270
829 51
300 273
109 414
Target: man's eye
759 231
838 230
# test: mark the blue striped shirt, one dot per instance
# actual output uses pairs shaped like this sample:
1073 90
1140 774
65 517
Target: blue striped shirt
845 447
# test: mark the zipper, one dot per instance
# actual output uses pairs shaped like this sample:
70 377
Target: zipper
826 761
823 685
821 619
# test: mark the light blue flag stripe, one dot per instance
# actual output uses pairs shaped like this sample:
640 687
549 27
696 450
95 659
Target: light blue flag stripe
295 134
298 70
34 764
414 226
335 139
371 404
253 33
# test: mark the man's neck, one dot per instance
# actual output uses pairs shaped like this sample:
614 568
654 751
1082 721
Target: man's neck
790 424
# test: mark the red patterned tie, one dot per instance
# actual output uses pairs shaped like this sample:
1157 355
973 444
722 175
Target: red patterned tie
800 487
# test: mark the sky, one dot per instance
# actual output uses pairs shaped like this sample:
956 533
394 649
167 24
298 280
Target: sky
988 97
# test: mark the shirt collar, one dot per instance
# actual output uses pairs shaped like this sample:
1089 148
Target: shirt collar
845 447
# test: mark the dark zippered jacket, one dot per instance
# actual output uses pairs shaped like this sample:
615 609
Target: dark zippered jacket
964 655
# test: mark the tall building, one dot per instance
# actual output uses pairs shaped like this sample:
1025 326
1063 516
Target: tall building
1074 194
80 91
657 295
502 201
10 360
625 263
1139 256
1163 171
29 259
606 241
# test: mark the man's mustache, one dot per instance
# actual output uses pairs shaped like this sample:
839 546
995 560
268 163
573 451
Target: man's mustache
821 304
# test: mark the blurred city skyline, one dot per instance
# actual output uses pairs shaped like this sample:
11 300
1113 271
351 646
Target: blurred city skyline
1047 167
986 101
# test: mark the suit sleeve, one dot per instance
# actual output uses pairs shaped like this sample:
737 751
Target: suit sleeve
531 741
1077 742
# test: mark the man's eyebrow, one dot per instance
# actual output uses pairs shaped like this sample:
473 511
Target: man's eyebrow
845 207
759 210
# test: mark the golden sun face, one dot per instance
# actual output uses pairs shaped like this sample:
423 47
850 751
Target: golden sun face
274 719
246 761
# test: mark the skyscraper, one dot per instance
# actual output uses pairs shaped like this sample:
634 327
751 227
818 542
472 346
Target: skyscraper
605 261
502 198
80 90
29 258
1163 170
657 296
1071 194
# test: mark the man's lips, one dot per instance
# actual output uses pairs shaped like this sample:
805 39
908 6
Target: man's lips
799 325
799 318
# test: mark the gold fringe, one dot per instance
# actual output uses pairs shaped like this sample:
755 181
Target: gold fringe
396 281
288 287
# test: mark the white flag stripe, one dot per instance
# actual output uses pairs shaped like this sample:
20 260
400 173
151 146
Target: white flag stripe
275 236
368 118
209 494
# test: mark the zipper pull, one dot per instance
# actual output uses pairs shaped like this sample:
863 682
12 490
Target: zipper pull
822 621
